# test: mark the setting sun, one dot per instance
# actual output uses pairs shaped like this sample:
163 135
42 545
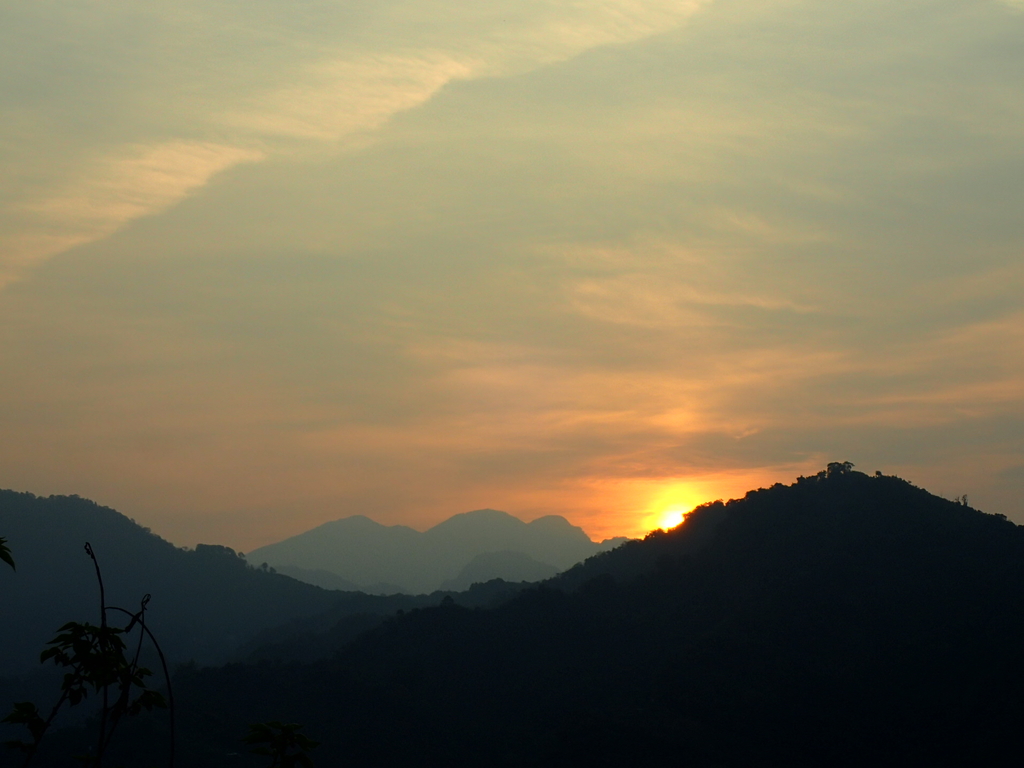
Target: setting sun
672 517
671 506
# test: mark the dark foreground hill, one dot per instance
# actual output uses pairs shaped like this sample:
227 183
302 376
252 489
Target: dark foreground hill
844 620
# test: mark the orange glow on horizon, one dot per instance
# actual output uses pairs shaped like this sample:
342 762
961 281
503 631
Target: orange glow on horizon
634 507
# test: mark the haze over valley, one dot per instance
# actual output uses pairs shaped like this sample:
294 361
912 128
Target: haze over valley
357 553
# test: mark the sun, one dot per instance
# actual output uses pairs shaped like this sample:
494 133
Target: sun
670 518
671 506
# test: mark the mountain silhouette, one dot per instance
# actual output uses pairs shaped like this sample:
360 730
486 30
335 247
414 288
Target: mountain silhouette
379 558
842 620
207 603
509 566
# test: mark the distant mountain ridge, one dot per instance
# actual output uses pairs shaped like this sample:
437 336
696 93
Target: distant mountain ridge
513 566
376 557
207 603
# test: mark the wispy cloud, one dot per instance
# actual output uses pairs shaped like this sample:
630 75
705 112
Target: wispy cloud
652 300
325 92
333 99
109 192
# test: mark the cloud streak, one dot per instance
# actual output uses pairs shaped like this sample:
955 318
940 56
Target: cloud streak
110 192
403 55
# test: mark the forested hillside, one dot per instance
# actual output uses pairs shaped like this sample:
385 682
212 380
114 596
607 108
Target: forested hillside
842 620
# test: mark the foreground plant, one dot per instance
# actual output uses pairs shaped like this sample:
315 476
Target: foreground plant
281 742
96 661
5 552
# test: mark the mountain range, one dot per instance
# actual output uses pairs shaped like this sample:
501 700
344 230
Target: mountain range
360 554
208 604
843 620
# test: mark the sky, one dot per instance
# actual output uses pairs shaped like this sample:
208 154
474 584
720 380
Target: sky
268 263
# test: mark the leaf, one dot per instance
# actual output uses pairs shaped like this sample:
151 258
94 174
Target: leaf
25 713
5 553
147 700
282 742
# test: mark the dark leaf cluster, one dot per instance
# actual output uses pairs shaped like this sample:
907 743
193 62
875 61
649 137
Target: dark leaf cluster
5 552
281 742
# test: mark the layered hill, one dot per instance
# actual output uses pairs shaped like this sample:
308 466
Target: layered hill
385 559
842 620
206 603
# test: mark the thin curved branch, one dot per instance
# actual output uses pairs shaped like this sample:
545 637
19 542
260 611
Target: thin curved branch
103 633
167 674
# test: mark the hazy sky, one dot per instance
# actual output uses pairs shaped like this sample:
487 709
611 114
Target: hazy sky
267 263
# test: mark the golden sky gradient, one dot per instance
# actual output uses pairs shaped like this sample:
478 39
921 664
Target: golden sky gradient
265 264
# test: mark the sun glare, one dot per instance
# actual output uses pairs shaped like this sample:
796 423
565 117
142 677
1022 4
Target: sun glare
671 506
672 517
